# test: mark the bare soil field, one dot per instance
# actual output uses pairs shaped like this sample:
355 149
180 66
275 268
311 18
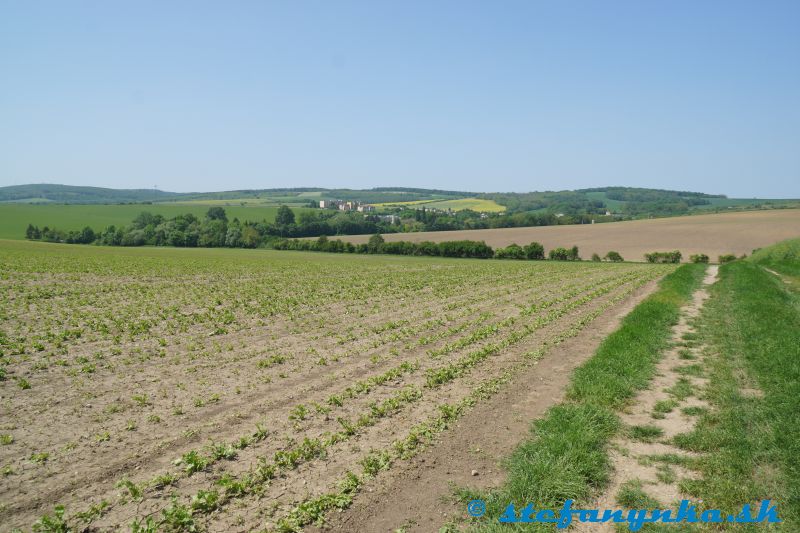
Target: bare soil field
234 390
418 497
737 233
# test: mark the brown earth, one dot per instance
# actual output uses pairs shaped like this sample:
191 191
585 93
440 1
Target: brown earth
110 406
716 234
418 496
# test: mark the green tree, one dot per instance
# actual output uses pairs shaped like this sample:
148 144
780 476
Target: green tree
534 251
216 213
87 236
614 257
33 232
233 237
250 237
284 217
213 233
375 243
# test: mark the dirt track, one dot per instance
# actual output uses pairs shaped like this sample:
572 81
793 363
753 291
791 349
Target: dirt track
716 234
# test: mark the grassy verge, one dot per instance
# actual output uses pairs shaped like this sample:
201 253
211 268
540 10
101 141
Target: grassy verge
566 456
751 437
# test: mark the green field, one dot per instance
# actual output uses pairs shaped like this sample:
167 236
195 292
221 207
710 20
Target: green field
249 201
717 203
14 218
618 206
475 204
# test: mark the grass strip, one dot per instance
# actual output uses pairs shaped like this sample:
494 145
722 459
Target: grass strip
750 438
566 456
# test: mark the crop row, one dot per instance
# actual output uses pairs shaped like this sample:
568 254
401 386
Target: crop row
292 457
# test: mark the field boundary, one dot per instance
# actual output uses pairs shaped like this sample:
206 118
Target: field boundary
416 495
623 364
747 441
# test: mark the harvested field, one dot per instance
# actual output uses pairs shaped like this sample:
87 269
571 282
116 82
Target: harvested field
241 390
714 235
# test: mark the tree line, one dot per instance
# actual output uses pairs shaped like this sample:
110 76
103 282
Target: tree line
378 245
464 248
216 230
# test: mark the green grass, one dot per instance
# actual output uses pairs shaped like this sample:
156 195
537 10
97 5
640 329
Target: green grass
693 410
266 201
631 495
14 218
625 362
566 456
752 444
663 407
645 433
783 258
690 370
682 389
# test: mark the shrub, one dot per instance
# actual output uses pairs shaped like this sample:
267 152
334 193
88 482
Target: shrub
698 258
727 258
596 258
562 254
376 245
664 257
534 251
614 257
465 249
512 251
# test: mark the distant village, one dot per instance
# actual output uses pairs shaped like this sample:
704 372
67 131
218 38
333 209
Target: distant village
355 205
343 205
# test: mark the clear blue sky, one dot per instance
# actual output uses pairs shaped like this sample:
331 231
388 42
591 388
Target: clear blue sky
485 96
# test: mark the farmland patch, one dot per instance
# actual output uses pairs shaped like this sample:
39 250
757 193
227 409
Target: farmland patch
156 385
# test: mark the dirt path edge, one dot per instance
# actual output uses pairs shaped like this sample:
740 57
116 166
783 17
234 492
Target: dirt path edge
416 495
